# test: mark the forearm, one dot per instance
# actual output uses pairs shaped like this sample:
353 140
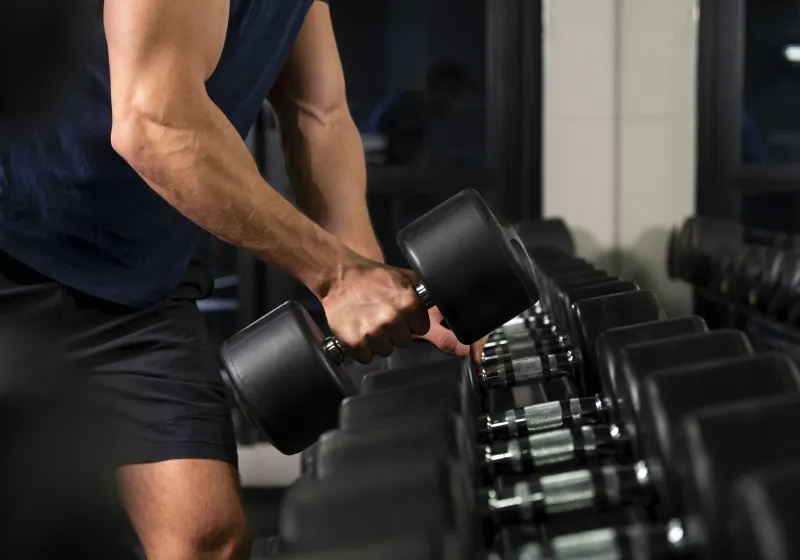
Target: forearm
325 162
193 157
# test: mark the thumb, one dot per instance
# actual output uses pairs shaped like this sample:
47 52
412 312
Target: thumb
445 340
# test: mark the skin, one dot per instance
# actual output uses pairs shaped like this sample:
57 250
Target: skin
170 132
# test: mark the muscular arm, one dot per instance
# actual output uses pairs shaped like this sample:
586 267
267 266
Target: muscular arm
324 154
168 129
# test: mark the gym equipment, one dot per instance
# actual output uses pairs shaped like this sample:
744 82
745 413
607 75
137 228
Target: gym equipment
411 546
716 438
682 362
288 378
699 241
655 479
724 443
765 507
386 395
522 349
550 233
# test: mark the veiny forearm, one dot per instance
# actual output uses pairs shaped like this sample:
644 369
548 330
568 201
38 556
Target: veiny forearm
325 162
193 157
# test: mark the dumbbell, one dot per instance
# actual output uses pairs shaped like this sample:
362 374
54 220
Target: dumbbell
541 321
516 455
550 233
670 396
412 392
288 378
765 509
722 443
522 349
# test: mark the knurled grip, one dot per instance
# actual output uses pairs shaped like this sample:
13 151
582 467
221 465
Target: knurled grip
597 488
521 422
530 368
573 446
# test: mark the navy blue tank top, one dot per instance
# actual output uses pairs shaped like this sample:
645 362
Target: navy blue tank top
74 210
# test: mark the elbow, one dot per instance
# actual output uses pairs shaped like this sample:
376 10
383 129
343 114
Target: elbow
129 139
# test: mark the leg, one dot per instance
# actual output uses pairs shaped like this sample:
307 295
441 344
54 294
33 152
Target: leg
157 375
186 508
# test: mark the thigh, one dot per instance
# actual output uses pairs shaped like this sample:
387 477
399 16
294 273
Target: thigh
155 373
186 508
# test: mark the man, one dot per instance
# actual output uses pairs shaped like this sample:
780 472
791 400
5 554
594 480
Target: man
404 118
101 206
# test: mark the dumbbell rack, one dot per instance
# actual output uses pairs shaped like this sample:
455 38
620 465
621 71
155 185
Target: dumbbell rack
724 262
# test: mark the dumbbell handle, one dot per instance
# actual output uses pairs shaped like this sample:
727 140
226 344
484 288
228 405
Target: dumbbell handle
338 352
535 500
528 368
522 326
540 346
573 446
632 542
520 422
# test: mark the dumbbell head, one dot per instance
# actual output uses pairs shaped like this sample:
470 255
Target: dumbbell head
724 443
592 317
427 436
699 240
453 369
418 496
671 394
765 507
573 295
474 268
551 233
611 343
284 380
423 545
639 361
365 412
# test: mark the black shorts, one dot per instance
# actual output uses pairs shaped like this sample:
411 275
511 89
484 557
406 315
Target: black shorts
153 370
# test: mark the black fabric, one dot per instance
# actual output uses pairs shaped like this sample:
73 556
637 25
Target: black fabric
153 370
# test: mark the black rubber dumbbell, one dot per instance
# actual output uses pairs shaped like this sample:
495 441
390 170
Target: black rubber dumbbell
595 317
630 308
722 444
378 408
288 378
551 345
732 506
670 396
765 509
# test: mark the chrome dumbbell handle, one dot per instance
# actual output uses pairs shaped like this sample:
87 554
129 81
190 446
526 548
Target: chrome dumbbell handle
338 352
633 542
572 446
535 500
544 345
521 422
529 368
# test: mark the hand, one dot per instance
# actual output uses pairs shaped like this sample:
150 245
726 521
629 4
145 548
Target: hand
445 340
372 307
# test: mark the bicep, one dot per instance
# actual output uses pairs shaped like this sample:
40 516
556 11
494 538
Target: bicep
157 49
312 80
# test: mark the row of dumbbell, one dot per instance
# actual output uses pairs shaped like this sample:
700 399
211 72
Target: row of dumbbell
713 254
625 482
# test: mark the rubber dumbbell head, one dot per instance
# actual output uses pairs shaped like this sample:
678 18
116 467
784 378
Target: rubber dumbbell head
474 268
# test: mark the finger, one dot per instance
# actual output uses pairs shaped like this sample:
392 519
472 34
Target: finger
477 349
418 321
381 344
400 335
362 354
446 341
